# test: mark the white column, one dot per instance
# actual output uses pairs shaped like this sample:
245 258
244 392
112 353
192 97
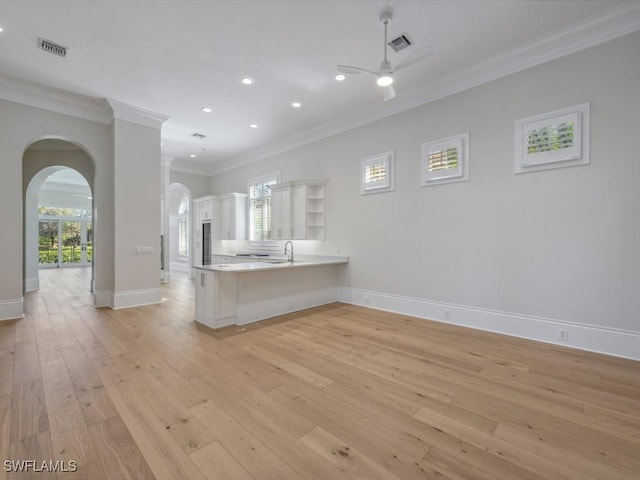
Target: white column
137 207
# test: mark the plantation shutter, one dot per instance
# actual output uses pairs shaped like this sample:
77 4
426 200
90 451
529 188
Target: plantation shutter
260 209
376 172
551 140
443 160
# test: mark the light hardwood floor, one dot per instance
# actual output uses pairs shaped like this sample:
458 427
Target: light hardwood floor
338 392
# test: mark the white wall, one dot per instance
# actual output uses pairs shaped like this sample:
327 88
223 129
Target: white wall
522 254
198 185
137 226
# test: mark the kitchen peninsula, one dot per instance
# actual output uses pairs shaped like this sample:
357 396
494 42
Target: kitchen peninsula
259 288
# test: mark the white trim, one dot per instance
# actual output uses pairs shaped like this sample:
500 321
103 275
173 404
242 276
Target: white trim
185 166
12 309
253 312
31 284
55 100
103 298
137 298
610 341
137 115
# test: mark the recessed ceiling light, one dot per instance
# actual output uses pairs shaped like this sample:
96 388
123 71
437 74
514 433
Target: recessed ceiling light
253 125
193 155
1 30
207 109
296 104
247 81
340 77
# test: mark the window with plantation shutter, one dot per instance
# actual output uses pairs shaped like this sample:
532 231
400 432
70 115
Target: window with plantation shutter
376 173
552 140
445 160
260 207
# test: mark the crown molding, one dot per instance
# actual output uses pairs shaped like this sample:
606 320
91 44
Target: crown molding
55 100
615 23
190 167
137 115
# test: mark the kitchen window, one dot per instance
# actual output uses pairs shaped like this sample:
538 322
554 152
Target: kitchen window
260 207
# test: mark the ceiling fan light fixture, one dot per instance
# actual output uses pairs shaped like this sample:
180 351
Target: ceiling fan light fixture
385 79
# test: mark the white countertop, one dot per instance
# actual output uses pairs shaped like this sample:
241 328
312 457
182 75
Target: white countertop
274 263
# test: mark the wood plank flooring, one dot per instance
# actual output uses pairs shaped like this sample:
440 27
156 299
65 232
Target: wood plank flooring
338 392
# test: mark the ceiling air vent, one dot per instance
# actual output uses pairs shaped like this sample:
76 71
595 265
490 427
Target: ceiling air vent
400 43
52 47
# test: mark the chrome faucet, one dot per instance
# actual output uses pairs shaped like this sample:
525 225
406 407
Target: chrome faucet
287 252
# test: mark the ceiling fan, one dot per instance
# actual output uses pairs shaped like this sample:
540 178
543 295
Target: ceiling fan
384 75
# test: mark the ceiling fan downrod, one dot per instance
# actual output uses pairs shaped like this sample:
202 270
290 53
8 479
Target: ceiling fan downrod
385 73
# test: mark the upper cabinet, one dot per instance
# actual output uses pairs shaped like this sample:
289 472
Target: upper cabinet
297 210
281 211
234 216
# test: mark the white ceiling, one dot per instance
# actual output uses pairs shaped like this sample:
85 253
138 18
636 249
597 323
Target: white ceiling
174 57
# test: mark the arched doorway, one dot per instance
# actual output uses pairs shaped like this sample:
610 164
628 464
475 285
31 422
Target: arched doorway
180 228
58 180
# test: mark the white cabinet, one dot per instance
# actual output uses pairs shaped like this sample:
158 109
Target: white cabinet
281 212
234 216
215 301
298 210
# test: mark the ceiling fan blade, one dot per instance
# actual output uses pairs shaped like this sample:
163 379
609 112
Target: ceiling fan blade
349 70
388 92
415 57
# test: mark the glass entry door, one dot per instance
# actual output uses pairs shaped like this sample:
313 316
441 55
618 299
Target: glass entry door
65 243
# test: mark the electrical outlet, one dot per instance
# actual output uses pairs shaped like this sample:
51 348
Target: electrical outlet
563 334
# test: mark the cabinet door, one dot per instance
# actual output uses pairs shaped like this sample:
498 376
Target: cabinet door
281 214
234 222
298 212
196 224
228 217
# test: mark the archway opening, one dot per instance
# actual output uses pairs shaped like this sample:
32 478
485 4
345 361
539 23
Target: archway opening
180 251
58 215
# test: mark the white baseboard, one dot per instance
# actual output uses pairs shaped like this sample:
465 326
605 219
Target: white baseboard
136 298
253 312
31 284
103 298
11 309
620 343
